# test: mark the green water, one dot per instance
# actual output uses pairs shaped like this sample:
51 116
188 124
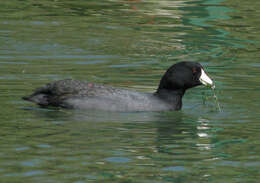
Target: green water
130 44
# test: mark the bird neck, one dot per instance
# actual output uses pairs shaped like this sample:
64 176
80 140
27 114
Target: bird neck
171 97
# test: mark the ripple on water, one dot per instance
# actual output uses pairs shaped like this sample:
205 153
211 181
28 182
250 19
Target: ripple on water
175 168
22 148
118 159
31 163
33 173
89 62
44 146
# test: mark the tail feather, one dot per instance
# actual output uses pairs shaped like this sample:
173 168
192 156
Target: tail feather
52 94
26 98
40 99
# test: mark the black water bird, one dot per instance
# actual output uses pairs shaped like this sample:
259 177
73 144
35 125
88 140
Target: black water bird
77 94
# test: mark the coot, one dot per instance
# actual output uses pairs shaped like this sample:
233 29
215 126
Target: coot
77 94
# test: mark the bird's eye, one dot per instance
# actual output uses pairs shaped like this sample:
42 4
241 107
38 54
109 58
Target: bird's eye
194 70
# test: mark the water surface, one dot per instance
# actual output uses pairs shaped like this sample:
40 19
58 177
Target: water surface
130 44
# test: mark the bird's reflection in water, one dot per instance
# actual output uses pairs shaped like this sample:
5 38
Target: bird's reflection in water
178 132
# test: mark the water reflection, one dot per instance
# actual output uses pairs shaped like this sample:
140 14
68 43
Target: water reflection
173 130
182 130
130 44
